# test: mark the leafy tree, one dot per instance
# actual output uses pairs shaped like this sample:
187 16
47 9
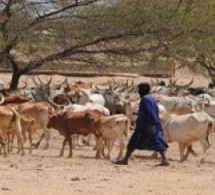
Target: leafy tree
99 32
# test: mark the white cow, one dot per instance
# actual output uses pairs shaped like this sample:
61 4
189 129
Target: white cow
206 104
188 128
176 105
1 84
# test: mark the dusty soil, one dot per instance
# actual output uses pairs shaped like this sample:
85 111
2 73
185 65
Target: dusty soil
45 173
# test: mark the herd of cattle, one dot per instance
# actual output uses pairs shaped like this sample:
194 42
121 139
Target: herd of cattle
106 110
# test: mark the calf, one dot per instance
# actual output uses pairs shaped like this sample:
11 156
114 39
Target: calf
69 123
39 111
27 125
114 127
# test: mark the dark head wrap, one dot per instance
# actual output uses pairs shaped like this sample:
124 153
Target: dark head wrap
144 88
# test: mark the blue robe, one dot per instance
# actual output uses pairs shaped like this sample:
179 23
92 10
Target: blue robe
148 134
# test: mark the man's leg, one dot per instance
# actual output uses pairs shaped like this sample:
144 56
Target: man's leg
135 138
164 161
124 161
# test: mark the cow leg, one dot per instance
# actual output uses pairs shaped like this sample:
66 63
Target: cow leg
74 137
3 143
205 145
24 135
181 150
104 144
99 147
96 146
190 149
10 138
187 153
69 139
75 142
41 138
20 147
63 146
86 140
30 141
20 144
110 147
9 149
4 148
154 154
19 135
79 140
121 148
47 135
5 154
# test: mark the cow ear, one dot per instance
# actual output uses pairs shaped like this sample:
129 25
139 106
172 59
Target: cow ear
163 116
207 104
94 115
62 107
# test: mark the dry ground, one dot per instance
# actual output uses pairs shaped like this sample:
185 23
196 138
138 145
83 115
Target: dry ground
44 173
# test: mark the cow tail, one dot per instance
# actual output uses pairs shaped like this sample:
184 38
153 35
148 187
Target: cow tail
50 110
127 129
16 119
211 131
211 127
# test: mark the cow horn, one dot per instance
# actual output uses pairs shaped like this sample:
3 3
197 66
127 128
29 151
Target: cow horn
187 85
56 106
157 80
152 83
49 81
156 89
1 98
35 82
25 85
64 82
203 99
170 82
68 100
41 82
174 82
209 102
132 82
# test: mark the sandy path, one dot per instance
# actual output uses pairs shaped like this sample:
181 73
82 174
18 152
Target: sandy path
44 173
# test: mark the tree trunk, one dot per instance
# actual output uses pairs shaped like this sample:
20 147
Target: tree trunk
15 79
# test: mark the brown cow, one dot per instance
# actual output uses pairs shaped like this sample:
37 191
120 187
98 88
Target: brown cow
13 99
27 125
69 123
10 123
39 111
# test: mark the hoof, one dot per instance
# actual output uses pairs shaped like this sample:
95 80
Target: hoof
163 164
202 161
45 148
120 162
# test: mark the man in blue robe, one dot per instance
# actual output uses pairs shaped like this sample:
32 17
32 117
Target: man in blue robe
148 134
